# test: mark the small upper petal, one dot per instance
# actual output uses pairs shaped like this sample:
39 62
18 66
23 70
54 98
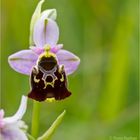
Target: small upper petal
35 16
49 13
46 31
40 50
19 114
37 50
56 48
69 60
23 61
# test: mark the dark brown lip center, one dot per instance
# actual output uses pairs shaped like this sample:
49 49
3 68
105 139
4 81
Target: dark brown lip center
47 63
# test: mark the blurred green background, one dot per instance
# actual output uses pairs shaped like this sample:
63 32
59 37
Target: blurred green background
104 34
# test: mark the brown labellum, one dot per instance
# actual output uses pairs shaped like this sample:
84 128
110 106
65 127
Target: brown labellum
48 80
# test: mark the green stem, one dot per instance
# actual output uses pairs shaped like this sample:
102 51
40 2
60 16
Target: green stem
35 119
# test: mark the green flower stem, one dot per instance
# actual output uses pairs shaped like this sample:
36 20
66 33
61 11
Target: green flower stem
35 119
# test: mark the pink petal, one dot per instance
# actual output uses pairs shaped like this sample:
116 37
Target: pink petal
19 114
12 132
37 50
56 48
40 50
69 60
1 113
23 61
1 118
46 31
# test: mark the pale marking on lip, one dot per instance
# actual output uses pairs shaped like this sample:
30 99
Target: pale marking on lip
36 80
61 69
48 73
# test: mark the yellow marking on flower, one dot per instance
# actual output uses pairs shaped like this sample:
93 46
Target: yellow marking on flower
47 53
50 100
36 80
62 79
61 69
49 83
47 48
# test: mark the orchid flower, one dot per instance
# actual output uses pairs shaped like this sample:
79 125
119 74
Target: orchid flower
13 128
45 61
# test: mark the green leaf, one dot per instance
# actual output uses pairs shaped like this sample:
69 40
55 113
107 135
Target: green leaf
34 18
47 135
30 137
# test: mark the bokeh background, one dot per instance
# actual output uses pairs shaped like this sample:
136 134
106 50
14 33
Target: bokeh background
104 34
